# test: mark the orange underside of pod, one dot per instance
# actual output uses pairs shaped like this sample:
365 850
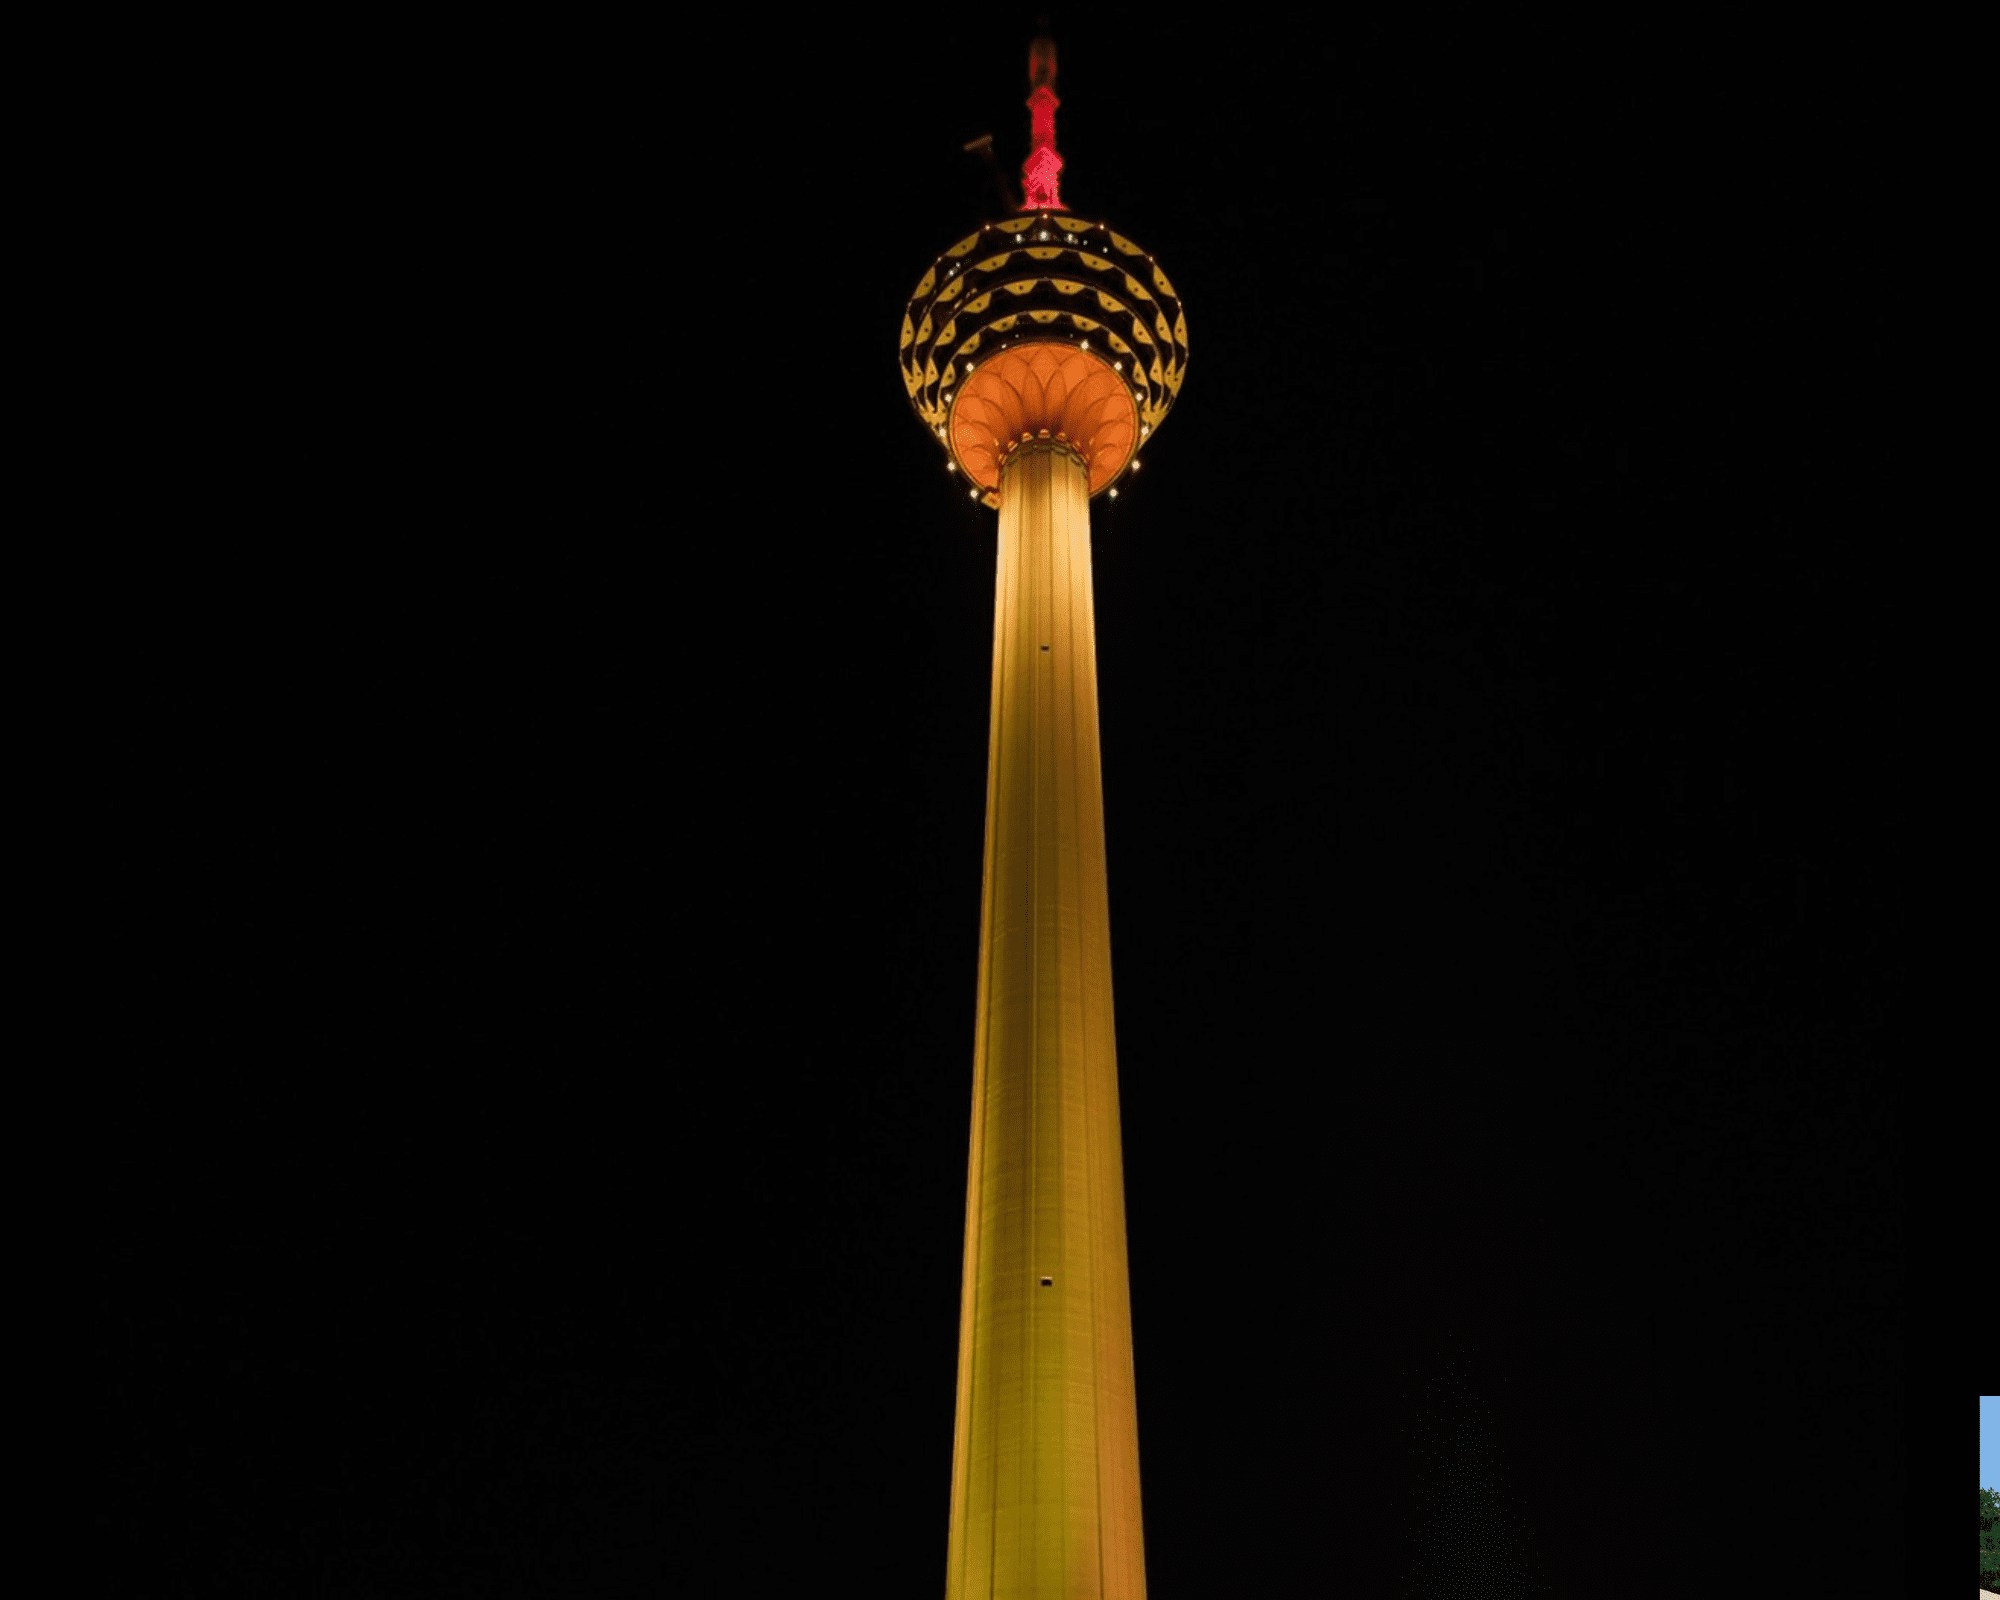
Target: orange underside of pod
1052 390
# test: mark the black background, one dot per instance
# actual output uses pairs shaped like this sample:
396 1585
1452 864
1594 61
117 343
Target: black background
545 873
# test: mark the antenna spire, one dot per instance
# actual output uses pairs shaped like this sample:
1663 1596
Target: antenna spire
1038 172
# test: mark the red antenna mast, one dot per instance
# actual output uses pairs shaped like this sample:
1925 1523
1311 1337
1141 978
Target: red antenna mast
1038 172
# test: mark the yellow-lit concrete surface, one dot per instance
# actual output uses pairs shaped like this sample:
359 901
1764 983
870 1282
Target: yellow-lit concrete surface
1045 1463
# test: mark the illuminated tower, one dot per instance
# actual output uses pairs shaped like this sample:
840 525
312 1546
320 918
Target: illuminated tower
1043 351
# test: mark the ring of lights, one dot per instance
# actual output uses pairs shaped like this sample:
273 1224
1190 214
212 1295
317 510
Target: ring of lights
1045 279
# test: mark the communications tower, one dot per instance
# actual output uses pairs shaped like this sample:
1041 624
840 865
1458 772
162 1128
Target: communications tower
1043 352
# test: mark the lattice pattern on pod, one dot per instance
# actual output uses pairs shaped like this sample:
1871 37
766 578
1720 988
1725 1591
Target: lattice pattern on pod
1039 278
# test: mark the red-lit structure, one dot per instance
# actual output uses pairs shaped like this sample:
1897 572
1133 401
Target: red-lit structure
1038 172
1043 352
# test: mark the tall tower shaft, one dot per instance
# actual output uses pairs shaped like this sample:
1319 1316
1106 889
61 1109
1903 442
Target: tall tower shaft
1045 1463
1042 351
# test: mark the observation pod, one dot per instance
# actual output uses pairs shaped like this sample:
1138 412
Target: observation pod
1043 326
1043 353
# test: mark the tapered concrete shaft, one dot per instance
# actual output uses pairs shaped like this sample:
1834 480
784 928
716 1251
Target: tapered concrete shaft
1045 1464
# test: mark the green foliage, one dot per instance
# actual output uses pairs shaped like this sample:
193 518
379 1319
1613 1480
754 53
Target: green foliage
1989 1540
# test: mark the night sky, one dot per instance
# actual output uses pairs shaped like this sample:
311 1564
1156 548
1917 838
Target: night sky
546 867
